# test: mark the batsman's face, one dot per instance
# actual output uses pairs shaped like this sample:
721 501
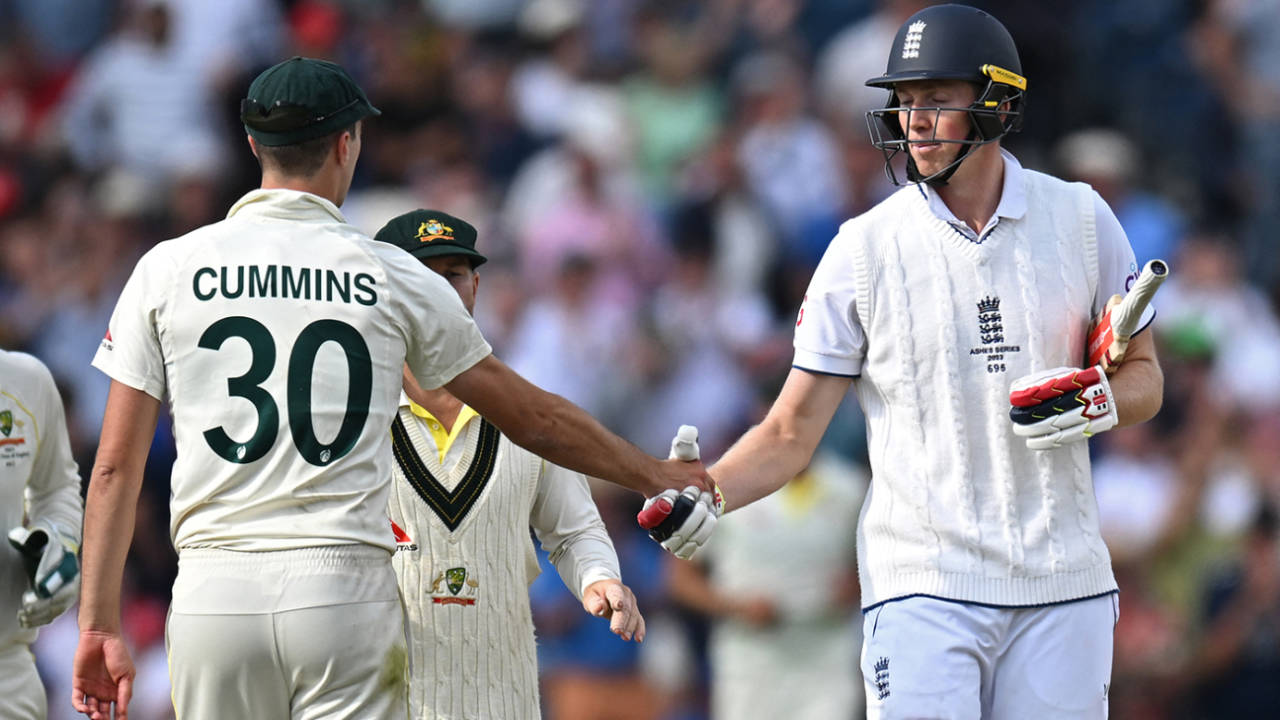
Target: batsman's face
933 131
458 271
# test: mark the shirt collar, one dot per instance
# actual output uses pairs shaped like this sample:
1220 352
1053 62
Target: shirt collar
443 437
287 204
464 416
1013 195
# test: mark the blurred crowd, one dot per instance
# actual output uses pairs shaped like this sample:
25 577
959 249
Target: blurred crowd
654 181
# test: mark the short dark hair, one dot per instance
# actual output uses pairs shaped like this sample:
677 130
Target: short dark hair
302 159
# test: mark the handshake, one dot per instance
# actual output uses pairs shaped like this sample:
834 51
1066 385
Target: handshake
682 521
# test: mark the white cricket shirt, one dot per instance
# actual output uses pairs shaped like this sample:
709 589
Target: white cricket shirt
279 335
38 476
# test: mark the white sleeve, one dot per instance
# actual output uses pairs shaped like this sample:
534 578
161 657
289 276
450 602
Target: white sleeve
829 336
441 338
131 353
1117 267
568 525
53 491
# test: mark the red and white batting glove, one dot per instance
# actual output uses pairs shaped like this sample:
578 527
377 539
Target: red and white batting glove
1061 406
682 521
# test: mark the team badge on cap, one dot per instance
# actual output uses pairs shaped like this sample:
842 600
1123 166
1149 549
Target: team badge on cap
434 230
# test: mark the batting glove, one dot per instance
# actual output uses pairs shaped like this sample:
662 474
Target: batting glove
53 571
1061 406
682 521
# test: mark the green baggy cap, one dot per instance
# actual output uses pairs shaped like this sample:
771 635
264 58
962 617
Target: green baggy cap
431 233
302 99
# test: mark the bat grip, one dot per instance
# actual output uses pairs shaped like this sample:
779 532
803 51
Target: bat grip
685 444
1125 318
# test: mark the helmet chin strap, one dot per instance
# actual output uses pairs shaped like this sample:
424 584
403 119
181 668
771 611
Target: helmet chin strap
940 178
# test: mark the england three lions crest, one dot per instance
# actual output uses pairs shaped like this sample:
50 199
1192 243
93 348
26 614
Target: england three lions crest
993 349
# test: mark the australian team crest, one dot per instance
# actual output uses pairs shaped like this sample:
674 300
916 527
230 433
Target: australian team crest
462 589
434 230
12 444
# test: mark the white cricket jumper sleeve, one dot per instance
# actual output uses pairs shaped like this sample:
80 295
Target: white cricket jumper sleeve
567 523
829 337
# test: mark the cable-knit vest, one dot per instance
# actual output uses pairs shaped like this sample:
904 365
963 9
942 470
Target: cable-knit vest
958 507
465 560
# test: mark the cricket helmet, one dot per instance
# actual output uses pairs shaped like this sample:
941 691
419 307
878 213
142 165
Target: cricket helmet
951 42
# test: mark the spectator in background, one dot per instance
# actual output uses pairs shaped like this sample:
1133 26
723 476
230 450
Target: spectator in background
791 161
1238 659
1110 162
1208 289
581 197
782 591
671 102
141 103
711 343
571 344
545 82
91 231
1239 46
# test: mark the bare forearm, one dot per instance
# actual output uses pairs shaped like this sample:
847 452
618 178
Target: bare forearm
763 460
781 446
563 433
128 425
108 528
569 437
1138 385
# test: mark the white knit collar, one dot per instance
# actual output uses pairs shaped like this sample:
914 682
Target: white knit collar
286 203
1013 197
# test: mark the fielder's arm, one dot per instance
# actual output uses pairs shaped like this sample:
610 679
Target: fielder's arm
781 446
1138 383
102 673
563 433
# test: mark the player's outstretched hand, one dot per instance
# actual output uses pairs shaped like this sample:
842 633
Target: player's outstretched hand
1061 406
615 601
102 675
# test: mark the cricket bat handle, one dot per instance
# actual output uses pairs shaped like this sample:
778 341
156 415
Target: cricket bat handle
684 446
1125 317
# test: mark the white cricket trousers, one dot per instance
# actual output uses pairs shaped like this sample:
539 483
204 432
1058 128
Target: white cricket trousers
302 634
930 659
22 694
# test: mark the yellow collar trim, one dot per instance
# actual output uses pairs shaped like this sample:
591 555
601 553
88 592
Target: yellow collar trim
443 436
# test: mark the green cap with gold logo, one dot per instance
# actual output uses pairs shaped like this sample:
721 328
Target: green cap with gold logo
302 99
431 233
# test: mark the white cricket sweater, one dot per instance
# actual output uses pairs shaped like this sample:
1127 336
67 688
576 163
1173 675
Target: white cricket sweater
958 507
465 560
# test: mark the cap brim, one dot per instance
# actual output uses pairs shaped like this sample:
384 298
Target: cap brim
441 250
887 81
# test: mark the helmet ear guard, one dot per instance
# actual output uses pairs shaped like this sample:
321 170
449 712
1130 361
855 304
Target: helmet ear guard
1004 87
